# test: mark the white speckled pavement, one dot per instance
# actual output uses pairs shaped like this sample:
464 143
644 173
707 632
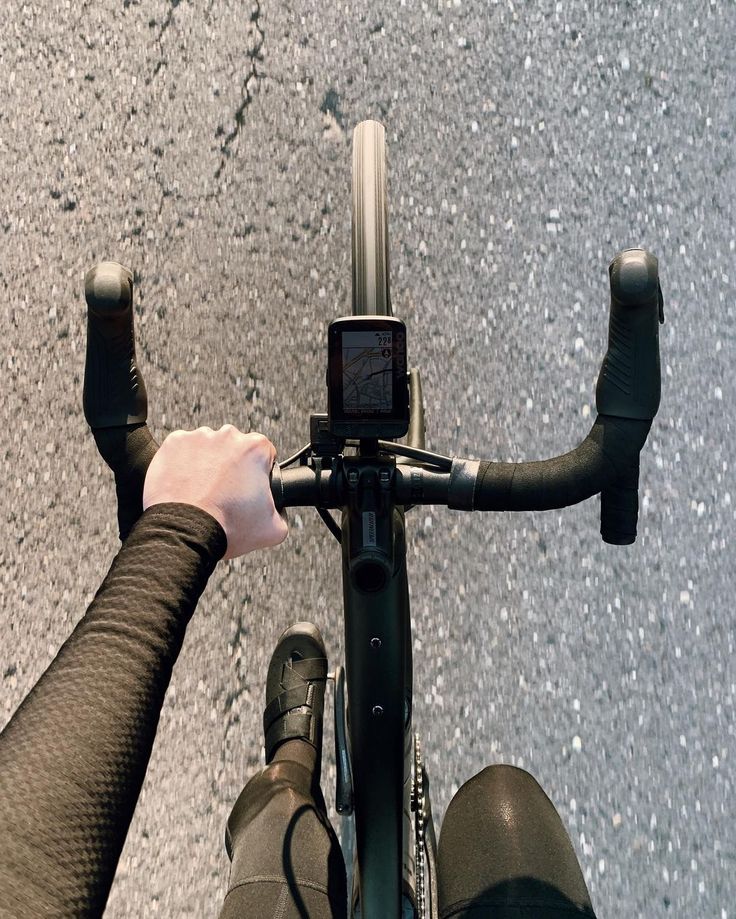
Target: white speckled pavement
207 147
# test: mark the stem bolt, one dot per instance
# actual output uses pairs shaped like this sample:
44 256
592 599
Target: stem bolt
375 642
377 710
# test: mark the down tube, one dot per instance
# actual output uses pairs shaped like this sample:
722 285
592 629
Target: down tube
380 677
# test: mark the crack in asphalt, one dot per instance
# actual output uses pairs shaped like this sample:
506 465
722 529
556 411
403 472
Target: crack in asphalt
164 26
167 189
167 23
254 56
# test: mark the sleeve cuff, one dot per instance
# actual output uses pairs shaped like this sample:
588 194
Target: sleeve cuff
189 520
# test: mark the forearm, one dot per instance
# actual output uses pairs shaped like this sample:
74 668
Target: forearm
74 755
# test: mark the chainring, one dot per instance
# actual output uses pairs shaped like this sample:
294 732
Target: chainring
418 805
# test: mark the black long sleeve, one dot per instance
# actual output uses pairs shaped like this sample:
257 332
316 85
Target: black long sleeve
74 755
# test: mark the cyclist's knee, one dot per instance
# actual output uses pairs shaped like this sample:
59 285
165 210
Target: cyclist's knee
502 778
508 811
505 772
501 791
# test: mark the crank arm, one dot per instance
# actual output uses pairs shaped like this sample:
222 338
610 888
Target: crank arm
344 792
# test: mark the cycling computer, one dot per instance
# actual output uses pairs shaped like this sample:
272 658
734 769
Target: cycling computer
368 394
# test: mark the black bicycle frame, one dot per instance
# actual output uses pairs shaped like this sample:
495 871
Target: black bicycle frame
378 670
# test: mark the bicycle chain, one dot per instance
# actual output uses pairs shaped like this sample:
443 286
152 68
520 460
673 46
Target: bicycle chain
420 822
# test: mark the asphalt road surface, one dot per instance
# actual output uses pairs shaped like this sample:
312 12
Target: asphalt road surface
208 148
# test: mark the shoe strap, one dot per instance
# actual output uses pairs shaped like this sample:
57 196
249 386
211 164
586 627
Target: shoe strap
296 679
292 725
285 702
280 721
298 672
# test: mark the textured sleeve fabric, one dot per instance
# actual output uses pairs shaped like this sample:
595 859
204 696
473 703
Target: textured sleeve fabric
74 755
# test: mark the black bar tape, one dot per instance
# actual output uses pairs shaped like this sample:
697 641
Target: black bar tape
606 454
128 451
300 486
620 509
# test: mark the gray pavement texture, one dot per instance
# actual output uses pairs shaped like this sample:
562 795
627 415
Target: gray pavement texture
208 148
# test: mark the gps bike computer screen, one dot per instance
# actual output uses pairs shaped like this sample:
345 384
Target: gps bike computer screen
366 376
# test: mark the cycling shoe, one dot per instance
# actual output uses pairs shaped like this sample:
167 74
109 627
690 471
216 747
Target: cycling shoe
295 689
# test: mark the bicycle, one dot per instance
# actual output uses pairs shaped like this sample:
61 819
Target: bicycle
374 481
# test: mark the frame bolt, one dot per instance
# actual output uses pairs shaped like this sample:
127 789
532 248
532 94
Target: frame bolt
377 710
375 642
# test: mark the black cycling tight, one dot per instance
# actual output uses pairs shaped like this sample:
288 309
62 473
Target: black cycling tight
503 852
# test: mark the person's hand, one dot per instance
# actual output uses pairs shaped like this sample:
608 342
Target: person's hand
225 473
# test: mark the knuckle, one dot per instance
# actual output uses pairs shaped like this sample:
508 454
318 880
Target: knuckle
259 440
